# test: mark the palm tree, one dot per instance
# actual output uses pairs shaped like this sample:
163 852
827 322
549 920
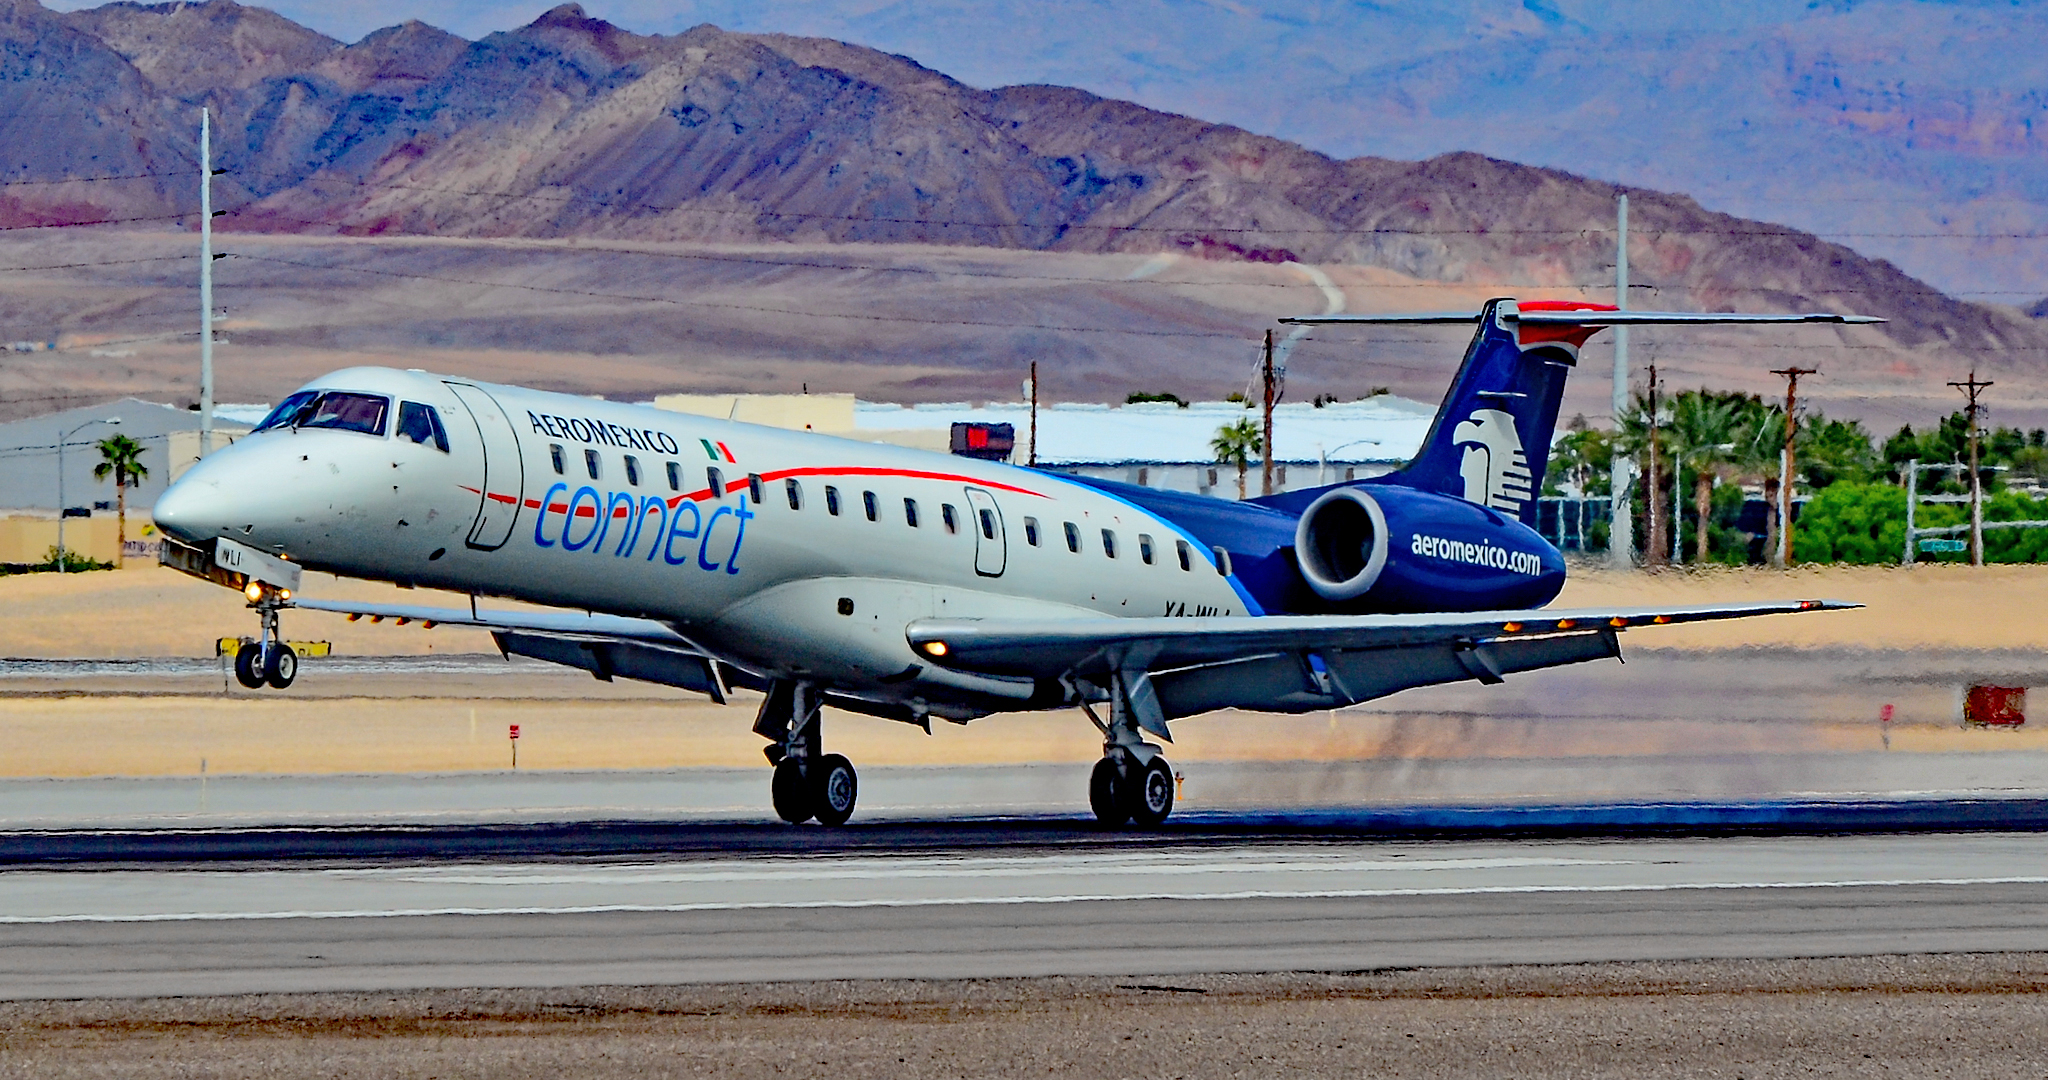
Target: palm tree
1234 444
1704 429
121 458
1632 438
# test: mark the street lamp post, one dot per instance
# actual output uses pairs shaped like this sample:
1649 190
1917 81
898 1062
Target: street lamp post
61 440
1323 457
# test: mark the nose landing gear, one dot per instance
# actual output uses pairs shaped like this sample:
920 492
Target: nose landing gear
807 784
267 660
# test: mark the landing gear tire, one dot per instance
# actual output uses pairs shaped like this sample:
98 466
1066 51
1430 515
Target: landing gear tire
1151 793
1105 794
836 788
281 666
791 793
248 665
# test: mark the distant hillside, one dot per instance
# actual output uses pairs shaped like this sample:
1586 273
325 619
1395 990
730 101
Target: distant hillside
570 126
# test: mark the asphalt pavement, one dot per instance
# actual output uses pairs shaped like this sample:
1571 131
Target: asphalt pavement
1132 910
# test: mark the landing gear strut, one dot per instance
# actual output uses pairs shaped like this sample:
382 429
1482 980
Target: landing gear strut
1133 782
808 784
267 659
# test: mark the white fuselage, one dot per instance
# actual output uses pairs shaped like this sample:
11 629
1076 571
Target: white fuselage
789 553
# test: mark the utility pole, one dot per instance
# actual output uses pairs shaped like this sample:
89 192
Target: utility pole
1972 388
1266 441
1653 485
1620 532
1783 556
205 281
1031 447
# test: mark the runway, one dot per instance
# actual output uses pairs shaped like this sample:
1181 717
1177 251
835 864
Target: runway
1131 910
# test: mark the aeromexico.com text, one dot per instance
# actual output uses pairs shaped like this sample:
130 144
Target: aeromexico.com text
1486 553
599 431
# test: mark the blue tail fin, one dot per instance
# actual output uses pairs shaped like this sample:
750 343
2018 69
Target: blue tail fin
1491 437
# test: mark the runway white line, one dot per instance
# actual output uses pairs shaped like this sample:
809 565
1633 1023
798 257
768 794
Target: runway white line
890 870
964 901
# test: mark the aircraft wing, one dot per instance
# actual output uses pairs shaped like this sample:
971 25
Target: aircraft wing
607 646
1297 663
568 623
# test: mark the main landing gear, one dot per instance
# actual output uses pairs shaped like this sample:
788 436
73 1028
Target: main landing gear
267 660
1133 782
808 783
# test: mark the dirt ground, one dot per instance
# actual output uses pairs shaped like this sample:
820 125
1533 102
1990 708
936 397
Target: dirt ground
1965 1016
391 720
147 610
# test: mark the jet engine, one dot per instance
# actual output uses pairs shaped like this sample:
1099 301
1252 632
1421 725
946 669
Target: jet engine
1341 544
1383 548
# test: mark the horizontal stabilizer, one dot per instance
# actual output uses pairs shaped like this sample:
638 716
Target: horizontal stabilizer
1582 318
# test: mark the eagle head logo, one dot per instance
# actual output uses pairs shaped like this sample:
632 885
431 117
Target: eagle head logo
1495 469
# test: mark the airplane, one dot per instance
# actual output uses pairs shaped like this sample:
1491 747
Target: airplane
709 554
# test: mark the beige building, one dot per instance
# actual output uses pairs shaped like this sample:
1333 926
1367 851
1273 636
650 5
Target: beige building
27 538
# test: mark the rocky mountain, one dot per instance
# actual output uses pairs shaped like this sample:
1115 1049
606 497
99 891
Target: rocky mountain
571 126
1911 129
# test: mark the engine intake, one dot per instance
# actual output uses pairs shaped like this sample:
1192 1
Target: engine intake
1341 544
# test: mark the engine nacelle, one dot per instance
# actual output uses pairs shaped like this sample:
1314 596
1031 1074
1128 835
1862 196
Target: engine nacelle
1340 544
1384 548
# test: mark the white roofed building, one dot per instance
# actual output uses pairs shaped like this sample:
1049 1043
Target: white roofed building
1156 444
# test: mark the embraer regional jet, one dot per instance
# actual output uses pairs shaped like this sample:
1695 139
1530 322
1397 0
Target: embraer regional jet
900 584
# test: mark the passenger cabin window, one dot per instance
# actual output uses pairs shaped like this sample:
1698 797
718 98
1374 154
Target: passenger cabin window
555 457
675 476
332 409
949 517
593 464
1073 538
754 487
632 470
1109 543
910 512
988 524
1180 548
421 424
1222 560
715 480
1145 549
1031 531
795 491
831 500
867 501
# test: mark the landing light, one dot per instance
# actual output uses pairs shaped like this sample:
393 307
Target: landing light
254 591
936 648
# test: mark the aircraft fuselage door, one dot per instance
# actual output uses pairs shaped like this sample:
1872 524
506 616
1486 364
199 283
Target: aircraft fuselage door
503 482
991 545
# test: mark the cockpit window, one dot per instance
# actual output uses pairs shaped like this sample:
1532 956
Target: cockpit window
287 409
332 409
421 424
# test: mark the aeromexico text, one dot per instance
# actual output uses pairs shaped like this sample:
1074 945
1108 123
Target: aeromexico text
600 431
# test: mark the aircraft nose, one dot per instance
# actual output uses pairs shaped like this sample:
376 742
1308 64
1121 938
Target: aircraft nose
209 500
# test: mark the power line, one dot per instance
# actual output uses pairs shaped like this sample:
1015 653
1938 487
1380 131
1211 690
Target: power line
85 179
1589 232
101 221
103 262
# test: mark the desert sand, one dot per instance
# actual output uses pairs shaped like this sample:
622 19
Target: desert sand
1730 688
151 611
